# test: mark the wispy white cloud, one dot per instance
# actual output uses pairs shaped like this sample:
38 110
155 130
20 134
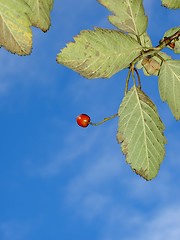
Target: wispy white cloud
72 150
14 230
89 191
131 225
124 204
133 211
108 171
164 224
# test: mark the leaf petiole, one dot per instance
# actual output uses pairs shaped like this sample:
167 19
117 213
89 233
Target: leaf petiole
131 70
127 81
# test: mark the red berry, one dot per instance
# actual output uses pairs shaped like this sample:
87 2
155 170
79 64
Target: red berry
83 120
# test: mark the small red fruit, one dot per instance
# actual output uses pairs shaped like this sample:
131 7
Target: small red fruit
83 120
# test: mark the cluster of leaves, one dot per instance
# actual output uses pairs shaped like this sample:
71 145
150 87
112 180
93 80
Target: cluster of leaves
100 53
16 19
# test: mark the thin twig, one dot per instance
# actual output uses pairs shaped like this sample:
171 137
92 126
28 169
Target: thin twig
139 81
127 81
133 77
154 50
104 120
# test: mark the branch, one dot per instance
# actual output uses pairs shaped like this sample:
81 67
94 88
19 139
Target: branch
162 44
166 40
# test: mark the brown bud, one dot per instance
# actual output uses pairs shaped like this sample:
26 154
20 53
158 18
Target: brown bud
151 65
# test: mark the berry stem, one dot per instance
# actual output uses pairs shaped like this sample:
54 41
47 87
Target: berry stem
104 120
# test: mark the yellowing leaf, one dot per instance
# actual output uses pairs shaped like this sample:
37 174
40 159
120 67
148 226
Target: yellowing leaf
128 15
169 85
140 131
39 15
99 53
171 3
15 32
16 18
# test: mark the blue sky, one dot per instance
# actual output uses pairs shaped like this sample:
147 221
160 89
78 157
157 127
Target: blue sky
59 181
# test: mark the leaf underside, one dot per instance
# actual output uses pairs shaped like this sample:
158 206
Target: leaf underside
171 3
128 15
140 130
145 40
169 85
99 53
16 18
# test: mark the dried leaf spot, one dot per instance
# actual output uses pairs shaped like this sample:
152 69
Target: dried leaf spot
97 53
87 45
125 147
100 52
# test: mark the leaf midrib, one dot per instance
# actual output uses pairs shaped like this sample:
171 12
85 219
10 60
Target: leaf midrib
132 16
144 129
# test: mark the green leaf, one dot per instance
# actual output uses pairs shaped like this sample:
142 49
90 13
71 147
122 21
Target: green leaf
140 131
99 53
128 15
169 85
15 32
145 40
169 33
171 3
39 16
16 18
